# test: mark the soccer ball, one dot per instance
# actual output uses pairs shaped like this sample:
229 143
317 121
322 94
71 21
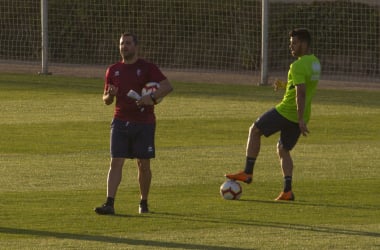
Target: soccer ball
149 88
231 190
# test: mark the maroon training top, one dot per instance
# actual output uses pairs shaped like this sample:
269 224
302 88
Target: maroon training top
132 76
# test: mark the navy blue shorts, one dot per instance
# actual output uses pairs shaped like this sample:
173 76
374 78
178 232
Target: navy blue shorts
132 140
272 122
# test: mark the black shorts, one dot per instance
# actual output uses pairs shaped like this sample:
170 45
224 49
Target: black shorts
132 140
272 122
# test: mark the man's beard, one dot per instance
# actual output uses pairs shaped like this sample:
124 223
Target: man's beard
128 56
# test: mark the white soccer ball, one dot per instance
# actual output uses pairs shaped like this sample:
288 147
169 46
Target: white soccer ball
149 88
231 190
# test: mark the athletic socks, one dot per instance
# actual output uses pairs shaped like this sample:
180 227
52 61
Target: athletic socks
110 201
249 165
287 183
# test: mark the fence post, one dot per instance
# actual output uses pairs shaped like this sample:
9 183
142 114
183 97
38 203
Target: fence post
264 42
44 38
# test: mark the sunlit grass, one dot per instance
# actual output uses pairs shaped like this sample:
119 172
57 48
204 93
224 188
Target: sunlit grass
54 159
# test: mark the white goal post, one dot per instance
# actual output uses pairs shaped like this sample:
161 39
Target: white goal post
44 37
222 36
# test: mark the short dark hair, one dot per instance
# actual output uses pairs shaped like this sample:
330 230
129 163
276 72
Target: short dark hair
302 34
134 37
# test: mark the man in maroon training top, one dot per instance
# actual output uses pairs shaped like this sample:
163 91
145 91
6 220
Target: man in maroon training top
134 122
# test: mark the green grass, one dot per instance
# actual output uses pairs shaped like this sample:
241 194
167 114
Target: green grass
54 161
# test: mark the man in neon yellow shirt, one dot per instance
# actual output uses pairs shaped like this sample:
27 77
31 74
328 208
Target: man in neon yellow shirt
290 116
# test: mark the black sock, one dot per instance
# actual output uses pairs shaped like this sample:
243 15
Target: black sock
145 202
287 183
110 201
249 164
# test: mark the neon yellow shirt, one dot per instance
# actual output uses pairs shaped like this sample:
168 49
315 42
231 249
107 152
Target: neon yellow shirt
306 70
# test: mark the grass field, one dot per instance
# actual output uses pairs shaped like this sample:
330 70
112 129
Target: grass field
54 161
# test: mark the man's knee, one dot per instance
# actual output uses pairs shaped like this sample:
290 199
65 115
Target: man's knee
117 163
281 151
144 165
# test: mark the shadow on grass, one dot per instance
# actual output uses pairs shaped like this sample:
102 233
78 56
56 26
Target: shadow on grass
297 227
110 239
306 203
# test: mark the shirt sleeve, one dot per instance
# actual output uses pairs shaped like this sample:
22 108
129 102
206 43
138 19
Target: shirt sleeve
298 74
156 74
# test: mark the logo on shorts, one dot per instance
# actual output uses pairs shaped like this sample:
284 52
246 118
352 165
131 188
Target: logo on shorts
150 149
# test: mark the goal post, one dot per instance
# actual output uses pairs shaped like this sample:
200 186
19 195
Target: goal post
264 42
44 38
244 37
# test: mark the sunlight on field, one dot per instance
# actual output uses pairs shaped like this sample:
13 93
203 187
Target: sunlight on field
54 158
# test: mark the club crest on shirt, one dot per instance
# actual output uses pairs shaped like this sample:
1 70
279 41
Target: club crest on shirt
138 72
117 73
